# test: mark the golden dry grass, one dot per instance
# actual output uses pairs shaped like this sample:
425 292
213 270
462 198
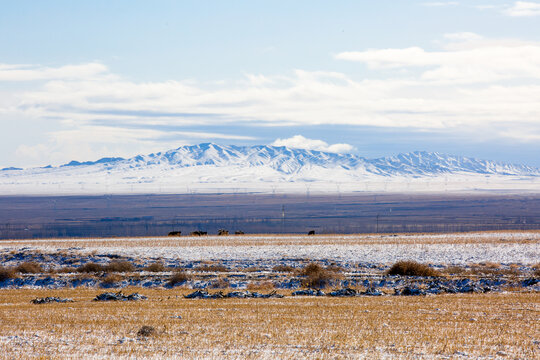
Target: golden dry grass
493 237
290 328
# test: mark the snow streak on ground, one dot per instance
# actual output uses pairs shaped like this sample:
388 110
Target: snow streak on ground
457 249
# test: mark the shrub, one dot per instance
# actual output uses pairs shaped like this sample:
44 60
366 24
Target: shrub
156 267
220 283
66 270
7 273
536 269
412 268
120 266
179 277
283 268
318 277
90 268
112 279
146 331
29 267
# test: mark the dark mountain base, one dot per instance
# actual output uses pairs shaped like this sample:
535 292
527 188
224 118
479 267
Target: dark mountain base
155 215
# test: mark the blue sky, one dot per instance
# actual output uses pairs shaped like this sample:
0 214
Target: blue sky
83 80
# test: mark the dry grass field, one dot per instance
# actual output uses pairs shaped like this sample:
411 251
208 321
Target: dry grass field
486 237
503 325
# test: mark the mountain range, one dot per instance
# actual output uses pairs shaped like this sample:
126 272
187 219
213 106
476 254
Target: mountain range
233 166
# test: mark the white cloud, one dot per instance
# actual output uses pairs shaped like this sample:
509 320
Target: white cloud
468 59
300 142
523 9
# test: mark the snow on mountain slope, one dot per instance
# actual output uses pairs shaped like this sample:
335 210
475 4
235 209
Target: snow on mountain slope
210 168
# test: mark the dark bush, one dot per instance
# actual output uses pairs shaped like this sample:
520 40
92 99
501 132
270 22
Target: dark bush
412 268
146 331
179 277
156 267
120 266
7 273
536 269
30 267
318 277
91 268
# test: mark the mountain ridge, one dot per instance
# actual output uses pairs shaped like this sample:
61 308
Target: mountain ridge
212 168
291 160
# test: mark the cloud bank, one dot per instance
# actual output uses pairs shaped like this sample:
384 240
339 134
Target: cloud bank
471 84
300 142
523 9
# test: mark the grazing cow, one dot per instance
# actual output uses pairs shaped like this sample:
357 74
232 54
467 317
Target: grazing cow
198 233
311 232
175 233
238 232
222 232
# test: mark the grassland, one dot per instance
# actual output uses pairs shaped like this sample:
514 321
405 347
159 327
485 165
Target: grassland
471 238
500 324
503 325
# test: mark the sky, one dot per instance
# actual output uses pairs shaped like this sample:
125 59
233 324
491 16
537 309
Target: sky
81 80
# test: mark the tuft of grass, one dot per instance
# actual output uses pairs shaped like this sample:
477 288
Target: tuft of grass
112 279
283 268
178 278
412 268
29 267
536 269
91 267
66 270
146 331
7 273
156 267
316 276
220 283
120 266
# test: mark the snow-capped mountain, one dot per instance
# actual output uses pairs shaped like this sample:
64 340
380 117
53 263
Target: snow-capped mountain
207 167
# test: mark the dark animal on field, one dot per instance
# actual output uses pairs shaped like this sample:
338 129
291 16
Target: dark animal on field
198 233
311 232
222 232
175 233
238 232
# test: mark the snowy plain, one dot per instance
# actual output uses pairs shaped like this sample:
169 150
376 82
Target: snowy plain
443 249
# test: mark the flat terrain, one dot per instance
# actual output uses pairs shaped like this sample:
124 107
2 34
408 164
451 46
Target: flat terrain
481 302
479 326
156 215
